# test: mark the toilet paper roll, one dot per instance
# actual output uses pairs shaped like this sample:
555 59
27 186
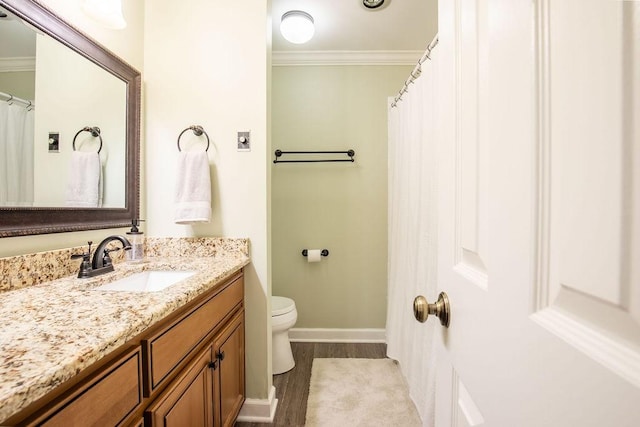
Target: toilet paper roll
314 255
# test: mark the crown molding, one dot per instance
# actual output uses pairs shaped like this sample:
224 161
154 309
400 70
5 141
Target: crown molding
27 63
345 57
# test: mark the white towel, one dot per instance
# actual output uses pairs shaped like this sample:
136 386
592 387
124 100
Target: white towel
85 180
193 188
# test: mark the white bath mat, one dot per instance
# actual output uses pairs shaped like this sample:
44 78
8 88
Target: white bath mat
359 392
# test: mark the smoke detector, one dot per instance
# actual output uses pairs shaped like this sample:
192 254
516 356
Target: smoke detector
372 4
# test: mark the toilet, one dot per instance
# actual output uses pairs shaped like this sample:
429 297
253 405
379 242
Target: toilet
283 317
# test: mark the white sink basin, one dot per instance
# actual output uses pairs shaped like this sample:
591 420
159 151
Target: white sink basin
147 281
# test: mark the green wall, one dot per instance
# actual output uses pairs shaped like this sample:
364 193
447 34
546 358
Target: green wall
338 206
19 83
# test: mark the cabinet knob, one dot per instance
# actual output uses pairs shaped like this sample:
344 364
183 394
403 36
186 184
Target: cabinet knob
221 355
213 365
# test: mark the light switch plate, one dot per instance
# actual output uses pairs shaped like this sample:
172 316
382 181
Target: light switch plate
244 141
54 142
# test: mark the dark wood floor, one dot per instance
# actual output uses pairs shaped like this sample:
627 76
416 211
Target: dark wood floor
292 388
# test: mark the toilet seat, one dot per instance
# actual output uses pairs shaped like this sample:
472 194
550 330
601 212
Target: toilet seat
281 306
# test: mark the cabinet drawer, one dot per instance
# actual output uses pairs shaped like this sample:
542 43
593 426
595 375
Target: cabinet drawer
171 345
107 399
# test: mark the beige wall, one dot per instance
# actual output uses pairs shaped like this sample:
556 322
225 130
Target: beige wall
206 63
129 45
338 206
203 63
19 83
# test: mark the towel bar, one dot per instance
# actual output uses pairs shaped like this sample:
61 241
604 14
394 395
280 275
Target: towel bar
197 131
95 132
279 153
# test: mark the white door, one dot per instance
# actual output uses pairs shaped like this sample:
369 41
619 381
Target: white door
539 218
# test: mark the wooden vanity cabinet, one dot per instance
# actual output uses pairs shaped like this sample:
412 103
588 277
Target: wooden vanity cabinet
195 364
210 391
187 370
168 348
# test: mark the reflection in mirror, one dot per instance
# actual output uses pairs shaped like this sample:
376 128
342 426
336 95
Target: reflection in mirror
55 84
71 93
17 94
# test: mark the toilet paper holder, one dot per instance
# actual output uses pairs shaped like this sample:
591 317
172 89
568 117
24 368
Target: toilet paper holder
324 252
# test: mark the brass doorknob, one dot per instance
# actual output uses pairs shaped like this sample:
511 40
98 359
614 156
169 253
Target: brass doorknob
422 309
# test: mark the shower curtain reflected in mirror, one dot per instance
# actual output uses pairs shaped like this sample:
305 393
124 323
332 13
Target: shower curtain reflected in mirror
413 235
16 154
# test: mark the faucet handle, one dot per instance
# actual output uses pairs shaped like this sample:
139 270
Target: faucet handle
85 266
106 258
85 255
107 251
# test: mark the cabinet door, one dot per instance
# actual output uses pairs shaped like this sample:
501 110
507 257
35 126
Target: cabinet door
188 400
229 377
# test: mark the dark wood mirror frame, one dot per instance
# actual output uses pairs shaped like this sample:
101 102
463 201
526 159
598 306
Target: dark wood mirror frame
20 221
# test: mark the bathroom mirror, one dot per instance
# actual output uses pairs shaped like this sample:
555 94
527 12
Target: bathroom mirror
104 75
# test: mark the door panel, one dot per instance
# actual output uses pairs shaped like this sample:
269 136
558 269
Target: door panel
466 413
590 231
471 165
539 191
459 409
588 193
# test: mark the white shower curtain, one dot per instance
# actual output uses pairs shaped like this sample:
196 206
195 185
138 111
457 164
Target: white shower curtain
413 234
16 155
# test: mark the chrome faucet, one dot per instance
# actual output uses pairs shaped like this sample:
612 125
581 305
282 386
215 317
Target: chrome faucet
101 262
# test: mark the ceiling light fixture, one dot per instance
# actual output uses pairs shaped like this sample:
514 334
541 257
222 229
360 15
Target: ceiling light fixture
106 12
297 26
372 4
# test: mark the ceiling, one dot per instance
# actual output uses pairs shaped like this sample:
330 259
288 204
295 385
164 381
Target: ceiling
341 25
23 39
346 25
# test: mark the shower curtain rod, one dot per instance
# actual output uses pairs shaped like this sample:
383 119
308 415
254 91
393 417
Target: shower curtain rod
416 72
11 98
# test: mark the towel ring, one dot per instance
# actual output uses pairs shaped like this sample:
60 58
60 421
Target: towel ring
197 131
95 132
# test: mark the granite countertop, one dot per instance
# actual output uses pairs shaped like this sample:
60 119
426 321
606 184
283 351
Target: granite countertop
52 331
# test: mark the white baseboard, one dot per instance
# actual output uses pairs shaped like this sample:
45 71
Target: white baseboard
259 410
337 335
